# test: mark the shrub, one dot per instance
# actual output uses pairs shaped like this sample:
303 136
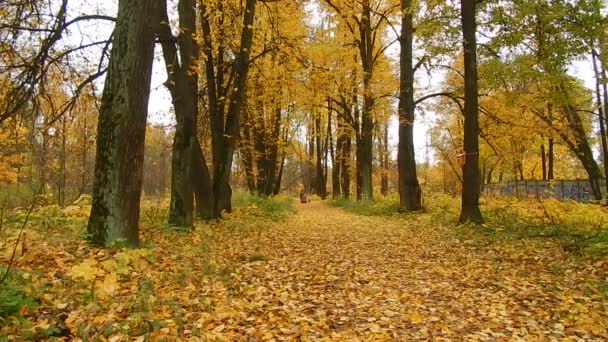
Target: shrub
275 208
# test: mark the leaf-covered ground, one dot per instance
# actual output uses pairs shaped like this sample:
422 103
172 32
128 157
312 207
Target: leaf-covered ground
322 273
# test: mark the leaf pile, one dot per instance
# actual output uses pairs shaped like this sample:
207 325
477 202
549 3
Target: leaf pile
321 273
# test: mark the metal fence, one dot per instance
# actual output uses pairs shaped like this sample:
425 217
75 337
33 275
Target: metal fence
577 190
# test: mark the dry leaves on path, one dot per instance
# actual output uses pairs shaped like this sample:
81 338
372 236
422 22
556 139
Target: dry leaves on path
321 274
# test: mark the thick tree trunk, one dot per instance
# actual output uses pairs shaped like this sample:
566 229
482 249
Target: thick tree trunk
122 126
189 170
277 186
225 127
470 189
410 195
201 182
272 154
222 170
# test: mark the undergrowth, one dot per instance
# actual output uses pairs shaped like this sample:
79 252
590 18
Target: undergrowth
277 208
580 227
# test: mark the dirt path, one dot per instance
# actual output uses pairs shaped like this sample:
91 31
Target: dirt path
329 273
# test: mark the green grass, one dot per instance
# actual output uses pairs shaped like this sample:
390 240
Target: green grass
579 227
13 295
277 208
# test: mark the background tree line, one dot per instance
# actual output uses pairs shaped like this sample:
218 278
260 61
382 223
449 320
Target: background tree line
270 95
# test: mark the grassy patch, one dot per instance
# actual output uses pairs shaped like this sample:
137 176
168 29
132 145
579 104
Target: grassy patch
579 227
16 294
276 208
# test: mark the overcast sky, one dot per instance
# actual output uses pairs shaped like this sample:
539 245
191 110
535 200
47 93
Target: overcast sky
160 108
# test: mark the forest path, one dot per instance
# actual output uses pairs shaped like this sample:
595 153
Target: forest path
330 273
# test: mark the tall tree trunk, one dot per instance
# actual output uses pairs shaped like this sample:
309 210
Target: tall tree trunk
383 157
201 182
410 195
345 167
272 152
600 112
605 93
190 176
550 154
334 151
576 139
343 158
225 129
259 148
62 159
470 189
326 153
311 155
319 175
365 141
246 144
543 157
277 186
550 159
84 158
122 126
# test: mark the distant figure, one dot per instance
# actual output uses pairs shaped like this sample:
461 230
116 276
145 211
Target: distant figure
303 197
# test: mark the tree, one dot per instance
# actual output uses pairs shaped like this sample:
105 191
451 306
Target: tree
409 189
365 21
122 125
225 100
190 175
470 188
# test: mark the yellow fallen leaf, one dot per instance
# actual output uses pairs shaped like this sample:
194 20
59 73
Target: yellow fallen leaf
108 287
415 317
86 270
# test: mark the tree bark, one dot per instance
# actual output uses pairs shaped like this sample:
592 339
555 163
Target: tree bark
470 189
247 146
543 157
319 174
272 153
365 141
334 152
343 155
190 175
122 126
410 194
600 112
